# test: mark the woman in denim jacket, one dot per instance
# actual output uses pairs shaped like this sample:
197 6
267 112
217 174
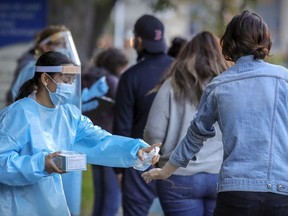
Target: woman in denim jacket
250 103
190 190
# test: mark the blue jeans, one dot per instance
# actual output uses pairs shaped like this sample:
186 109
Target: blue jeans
188 195
107 193
137 196
240 203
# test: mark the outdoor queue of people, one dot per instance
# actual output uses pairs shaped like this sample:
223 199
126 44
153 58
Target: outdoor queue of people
215 108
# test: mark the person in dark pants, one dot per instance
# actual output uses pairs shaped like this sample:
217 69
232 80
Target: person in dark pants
249 102
109 63
133 104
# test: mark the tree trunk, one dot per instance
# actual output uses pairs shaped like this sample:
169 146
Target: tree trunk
85 19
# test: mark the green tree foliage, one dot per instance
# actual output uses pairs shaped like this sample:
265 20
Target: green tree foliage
87 19
212 14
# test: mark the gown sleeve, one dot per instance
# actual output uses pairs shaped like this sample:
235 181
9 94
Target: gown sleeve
103 148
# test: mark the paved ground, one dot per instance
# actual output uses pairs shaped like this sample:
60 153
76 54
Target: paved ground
155 210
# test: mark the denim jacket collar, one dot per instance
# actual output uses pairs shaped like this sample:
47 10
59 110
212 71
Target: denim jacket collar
245 63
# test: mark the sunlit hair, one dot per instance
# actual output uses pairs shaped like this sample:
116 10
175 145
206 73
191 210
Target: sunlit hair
50 30
246 34
45 33
197 64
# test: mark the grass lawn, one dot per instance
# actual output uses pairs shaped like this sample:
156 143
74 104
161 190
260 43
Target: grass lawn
87 192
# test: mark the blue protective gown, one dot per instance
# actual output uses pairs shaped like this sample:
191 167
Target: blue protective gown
28 132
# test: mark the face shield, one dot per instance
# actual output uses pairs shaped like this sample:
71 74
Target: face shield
63 42
68 84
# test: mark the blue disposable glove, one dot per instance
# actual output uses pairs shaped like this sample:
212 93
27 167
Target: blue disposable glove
98 89
91 105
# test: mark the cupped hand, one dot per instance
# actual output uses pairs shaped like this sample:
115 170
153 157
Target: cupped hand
50 166
158 173
153 174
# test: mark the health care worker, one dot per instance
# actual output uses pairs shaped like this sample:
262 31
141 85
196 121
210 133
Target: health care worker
53 38
41 123
58 38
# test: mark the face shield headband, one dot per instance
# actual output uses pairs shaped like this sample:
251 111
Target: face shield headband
65 69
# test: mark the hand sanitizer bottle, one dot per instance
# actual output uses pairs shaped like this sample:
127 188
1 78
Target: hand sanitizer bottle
143 165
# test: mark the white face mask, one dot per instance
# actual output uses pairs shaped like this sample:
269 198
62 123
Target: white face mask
64 93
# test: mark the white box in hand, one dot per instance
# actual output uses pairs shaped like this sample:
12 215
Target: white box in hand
71 161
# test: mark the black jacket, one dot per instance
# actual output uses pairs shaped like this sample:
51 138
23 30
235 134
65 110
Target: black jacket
132 102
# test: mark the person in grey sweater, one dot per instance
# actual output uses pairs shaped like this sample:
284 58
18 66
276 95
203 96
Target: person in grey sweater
190 190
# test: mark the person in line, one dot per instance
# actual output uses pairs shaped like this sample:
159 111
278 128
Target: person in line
109 64
133 104
249 102
189 191
44 121
177 44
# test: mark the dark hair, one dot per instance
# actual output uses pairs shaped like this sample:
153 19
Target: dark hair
198 62
50 58
53 58
111 59
176 45
246 34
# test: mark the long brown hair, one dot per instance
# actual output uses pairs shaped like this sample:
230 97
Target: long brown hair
197 64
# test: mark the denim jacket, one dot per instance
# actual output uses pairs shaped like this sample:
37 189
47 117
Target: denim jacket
250 103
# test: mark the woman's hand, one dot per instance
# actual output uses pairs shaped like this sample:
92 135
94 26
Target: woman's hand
153 174
158 173
155 159
50 166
